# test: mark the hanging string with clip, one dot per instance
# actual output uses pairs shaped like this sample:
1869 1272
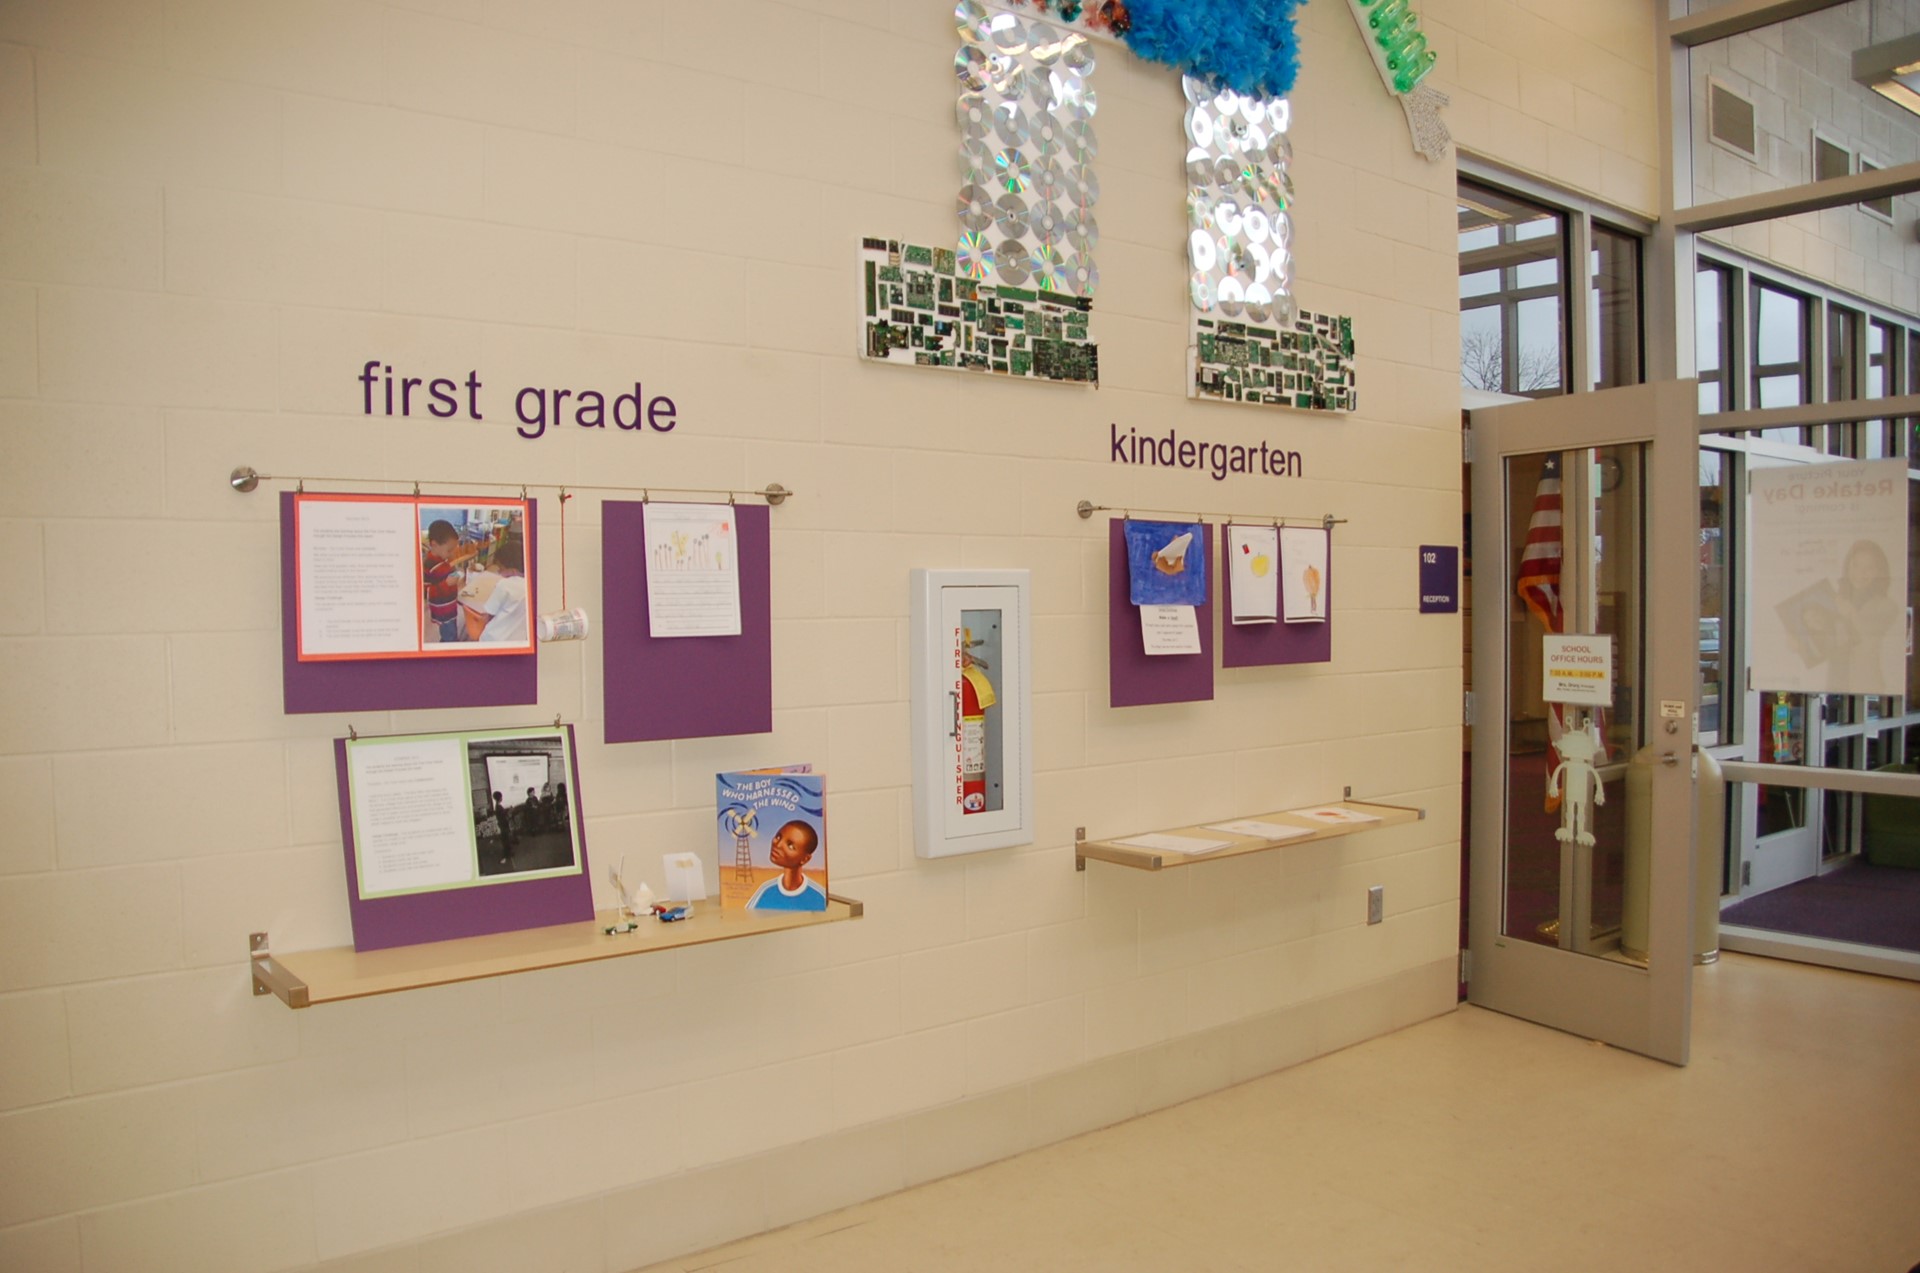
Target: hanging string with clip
564 497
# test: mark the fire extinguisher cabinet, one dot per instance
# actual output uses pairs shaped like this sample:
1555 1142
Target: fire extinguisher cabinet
971 710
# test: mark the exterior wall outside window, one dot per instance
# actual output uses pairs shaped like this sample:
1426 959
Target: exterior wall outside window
1797 75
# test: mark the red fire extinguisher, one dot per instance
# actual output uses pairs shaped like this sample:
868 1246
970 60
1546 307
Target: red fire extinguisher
976 696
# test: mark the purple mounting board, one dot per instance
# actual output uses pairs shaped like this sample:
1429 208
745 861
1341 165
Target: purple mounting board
412 918
683 687
1267 644
1134 678
379 685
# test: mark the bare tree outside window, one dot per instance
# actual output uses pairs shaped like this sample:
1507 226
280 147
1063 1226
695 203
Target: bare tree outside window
1483 366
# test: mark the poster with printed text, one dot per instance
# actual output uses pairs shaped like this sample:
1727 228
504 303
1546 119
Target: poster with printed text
1829 588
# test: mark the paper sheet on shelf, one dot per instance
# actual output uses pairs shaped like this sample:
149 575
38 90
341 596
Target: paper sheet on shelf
1264 830
1334 815
1174 843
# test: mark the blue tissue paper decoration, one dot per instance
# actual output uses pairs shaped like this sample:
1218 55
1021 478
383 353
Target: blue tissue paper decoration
1247 45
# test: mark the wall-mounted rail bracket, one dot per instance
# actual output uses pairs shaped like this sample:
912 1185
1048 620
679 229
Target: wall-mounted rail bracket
270 978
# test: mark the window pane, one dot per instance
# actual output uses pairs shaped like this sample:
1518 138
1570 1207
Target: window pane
1716 598
1709 320
1712 339
1482 361
1481 284
1877 440
1780 327
1843 331
1613 309
1540 344
1780 391
1782 361
1512 254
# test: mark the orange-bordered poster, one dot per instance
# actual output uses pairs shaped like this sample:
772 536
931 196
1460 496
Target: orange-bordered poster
407 576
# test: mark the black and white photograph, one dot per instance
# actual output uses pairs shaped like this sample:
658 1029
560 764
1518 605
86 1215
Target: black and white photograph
522 810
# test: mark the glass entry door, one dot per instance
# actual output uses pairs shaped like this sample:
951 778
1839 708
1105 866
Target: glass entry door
1586 534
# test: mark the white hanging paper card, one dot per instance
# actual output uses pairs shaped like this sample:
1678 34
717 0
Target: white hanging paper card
693 570
1303 574
1170 629
1253 565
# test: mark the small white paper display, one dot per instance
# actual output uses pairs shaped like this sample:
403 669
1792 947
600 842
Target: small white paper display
1334 815
1253 564
1577 669
1174 843
1260 830
693 570
686 881
1303 574
1170 629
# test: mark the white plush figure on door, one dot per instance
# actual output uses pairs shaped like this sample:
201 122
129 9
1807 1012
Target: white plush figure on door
1577 748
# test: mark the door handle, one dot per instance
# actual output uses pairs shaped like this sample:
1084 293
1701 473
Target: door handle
1669 759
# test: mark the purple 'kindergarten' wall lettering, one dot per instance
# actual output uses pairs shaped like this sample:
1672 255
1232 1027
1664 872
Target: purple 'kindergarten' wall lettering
535 406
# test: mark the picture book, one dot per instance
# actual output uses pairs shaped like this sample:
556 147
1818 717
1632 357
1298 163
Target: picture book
772 828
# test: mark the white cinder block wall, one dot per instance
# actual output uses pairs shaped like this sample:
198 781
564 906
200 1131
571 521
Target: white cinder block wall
1798 75
213 212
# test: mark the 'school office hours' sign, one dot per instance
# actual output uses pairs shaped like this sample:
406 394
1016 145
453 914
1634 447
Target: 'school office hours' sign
1578 669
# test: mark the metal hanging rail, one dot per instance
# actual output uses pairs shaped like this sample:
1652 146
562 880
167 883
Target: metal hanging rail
1087 508
245 479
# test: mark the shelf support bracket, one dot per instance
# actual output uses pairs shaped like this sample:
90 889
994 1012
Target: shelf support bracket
270 978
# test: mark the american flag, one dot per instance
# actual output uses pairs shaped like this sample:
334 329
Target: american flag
1538 583
1538 580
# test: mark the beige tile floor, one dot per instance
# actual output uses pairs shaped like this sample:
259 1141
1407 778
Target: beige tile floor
1470 1142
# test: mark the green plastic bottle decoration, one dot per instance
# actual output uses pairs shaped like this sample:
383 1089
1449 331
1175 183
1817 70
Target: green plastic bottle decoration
1384 18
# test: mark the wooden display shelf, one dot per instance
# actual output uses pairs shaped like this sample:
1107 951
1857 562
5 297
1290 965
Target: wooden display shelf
1141 859
340 972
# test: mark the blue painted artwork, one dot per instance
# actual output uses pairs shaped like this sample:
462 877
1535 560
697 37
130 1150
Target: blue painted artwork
1166 563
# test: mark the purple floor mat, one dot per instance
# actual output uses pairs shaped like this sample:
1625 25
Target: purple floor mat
1862 903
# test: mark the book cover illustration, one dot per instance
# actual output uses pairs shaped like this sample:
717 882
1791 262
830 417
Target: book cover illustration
772 828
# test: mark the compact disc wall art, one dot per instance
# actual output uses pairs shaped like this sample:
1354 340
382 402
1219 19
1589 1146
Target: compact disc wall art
1014 296
1251 343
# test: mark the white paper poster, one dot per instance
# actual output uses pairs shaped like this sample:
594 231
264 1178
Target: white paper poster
1253 565
1303 574
1170 629
431 812
358 589
1829 583
412 827
398 576
693 570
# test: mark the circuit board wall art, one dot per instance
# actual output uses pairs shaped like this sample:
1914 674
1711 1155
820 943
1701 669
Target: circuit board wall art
922 309
1306 365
